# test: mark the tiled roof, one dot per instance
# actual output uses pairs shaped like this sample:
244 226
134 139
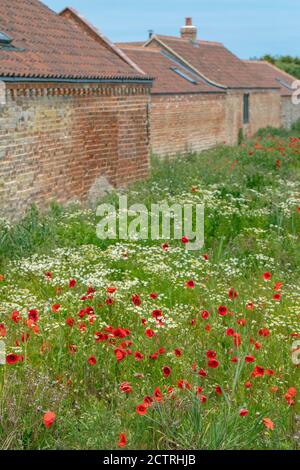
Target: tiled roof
213 60
272 74
154 63
49 46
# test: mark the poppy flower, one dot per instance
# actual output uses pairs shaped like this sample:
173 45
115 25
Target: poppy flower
178 352
33 315
213 364
92 360
2 330
125 387
148 401
203 399
183 385
232 294
244 412
49 419
205 315
277 297
258 372
250 306
72 283
267 276
290 395
210 354
166 371
153 295
120 354
202 373
190 284
222 310
230 332
248 384
185 240
55 308
12 359
2 277
149 333
141 409
218 390
138 356
249 359
165 246
157 314
161 351
70 322
136 300
269 424
205 257
158 396
123 440
237 341
278 286
16 316
111 290
264 332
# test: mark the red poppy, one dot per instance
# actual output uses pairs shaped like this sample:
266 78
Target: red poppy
249 359
213 364
237 340
269 424
258 372
33 315
123 440
205 315
232 294
278 286
210 354
16 316
153 295
149 333
230 332
250 306
120 354
111 290
2 330
190 284
70 322
141 409
219 390
185 240
158 396
136 300
138 356
264 332
206 257
222 310
244 412
202 373
92 360
203 399
72 283
166 371
184 385
125 387
165 246
178 352
55 308
49 419
267 276
277 297
157 314
12 359
248 384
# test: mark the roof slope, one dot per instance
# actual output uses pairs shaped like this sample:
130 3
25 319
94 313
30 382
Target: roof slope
49 46
213 61
153 62
272 74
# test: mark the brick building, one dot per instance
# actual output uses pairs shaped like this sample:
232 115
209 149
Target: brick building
290 112
239 98
74 110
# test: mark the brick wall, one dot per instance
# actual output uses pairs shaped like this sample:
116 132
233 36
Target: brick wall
57 140
183 123
264 110
290 113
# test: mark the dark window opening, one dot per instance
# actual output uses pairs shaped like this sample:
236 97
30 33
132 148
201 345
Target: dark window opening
246 109
4 39
184 75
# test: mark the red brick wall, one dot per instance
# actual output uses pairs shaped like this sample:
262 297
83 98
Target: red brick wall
264 110
183 123
57 140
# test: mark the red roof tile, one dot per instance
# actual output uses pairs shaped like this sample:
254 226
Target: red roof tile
272 75
154 63
53 47
212 60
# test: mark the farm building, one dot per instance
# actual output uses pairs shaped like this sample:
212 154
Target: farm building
290 112
246 100
74 110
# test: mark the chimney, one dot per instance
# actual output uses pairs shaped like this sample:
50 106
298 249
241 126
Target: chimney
189 32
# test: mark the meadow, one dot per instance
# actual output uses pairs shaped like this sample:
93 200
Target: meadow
142 345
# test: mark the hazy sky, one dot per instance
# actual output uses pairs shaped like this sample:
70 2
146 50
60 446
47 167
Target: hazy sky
247 27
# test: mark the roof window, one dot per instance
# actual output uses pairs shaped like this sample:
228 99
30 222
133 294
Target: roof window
184 75
4 39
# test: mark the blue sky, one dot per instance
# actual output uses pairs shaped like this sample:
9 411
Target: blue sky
248 27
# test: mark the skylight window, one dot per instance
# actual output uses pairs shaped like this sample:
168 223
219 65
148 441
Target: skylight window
4 39
184 75
283 83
